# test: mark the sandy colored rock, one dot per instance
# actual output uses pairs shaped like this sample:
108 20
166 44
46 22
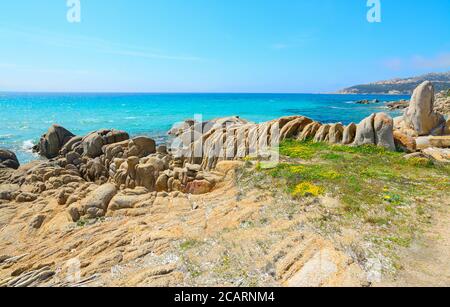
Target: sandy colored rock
322 133
420 115
383 128
198 187
335 134
404 142
309 132
365 133
440 141
98 201
349 134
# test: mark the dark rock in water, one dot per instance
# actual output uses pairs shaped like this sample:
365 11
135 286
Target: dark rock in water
53 141
8 159
366 101
398 105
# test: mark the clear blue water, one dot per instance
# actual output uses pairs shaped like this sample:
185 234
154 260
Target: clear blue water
25 117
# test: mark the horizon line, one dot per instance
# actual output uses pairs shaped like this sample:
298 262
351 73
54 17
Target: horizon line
194 93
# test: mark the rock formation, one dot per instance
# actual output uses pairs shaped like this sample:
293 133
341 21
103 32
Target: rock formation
420 115
8 159
51 143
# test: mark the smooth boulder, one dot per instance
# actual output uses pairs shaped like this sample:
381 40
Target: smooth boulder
53 141
377 129
384 131
8 159
94 142
420 115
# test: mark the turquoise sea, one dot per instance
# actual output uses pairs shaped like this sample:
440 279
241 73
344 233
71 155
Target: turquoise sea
25 117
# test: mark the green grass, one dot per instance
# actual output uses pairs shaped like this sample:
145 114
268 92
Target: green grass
188 244
376 188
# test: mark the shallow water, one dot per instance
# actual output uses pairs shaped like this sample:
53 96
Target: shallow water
24 117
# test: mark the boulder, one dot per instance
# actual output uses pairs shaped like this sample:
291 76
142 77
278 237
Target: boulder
8 159
420 115
349 134
440 141
98 201
294 127
404 142
438 154
25 197
198 187
9 191
53 141
422 142
37 221
322 133
120 202
365 133
384 129
335 134
161 183
71 145
309 132
94 142
141 147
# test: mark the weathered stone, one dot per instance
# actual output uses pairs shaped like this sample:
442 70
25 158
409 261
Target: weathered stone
440 141
335 134
404 142
349 134
97 202
161 183
8 159
198 187
420 115
8 191
365 133
309 132
25 197
384 129
438 154
53 141
322 133
120 202
94 142
294 127
37 221
74 213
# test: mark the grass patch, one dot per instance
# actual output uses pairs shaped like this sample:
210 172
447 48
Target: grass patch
380 192
188 244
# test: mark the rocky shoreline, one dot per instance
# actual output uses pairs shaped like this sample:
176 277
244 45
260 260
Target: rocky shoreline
107 174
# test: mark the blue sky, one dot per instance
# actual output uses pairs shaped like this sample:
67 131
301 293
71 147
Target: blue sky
218 45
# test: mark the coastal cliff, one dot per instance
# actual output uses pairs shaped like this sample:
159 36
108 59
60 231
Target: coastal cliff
335 208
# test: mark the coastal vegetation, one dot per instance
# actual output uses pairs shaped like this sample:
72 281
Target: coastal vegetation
385 197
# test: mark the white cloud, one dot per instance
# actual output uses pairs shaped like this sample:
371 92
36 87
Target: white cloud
94 44
440 61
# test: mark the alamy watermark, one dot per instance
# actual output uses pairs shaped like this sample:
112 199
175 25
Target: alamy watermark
74 11
374 13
